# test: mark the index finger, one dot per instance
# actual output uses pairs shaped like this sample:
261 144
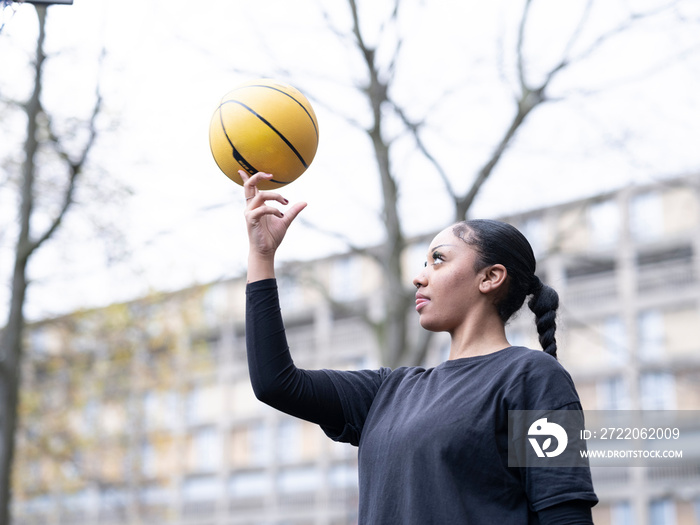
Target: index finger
250 182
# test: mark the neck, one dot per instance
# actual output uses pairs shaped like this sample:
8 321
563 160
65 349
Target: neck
481 336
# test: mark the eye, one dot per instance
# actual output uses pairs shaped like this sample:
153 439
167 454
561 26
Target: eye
438 258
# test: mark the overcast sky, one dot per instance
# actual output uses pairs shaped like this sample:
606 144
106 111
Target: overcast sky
629 113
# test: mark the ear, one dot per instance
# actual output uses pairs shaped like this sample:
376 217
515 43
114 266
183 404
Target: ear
493 278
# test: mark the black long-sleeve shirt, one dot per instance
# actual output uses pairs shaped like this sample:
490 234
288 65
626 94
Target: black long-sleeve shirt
432 442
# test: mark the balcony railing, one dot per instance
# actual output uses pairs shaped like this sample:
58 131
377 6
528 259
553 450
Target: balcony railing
585 292
667 276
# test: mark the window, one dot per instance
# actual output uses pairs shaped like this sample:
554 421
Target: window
205 488
214 303
79 501
613 394
662 512
193 406
91 416
38 505
148 459
239 447
204 350
604 223
621 513
114 501
657 391
615 340
646 216
650 333
203 404
260 444
206 449
157 455
248 484
533 229
295 480
343 476
154 495
290 293
345 279
242 401
249 445
160 409
40 341
288 440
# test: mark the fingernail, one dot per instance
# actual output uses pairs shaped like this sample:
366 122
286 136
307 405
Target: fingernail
286 201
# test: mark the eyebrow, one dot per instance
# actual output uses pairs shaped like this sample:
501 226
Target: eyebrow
439 246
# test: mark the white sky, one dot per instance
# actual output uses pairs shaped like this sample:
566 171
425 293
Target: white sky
169 62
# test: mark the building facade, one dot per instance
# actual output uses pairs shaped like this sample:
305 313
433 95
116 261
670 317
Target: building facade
626 267
143 412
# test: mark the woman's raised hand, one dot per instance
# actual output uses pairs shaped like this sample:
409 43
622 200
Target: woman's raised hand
266 224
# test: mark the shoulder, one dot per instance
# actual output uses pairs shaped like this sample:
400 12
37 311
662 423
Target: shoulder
537 362
539 381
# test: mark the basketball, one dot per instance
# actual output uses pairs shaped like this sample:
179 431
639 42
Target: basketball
264 125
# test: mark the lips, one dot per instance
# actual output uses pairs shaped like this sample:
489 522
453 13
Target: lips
421 301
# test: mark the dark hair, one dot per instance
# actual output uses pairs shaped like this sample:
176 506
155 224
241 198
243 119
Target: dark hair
501 243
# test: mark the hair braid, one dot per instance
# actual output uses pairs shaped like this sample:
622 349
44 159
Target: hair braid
544 303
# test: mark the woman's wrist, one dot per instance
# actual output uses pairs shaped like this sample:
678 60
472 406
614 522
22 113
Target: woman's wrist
260 267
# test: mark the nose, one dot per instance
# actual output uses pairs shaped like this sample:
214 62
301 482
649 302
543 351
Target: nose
420 280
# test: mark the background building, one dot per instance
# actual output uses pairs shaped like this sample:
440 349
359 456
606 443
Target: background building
626 267
143 412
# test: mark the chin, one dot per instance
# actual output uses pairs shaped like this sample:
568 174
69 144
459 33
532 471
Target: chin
426 324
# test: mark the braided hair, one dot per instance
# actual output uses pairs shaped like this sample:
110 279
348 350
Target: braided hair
500 243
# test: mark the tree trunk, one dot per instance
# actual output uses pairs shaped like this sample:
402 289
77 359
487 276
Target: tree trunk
11 342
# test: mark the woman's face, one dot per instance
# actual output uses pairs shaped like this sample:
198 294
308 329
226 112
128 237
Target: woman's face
448 286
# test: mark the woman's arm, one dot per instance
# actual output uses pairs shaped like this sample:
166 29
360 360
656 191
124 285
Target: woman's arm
276 381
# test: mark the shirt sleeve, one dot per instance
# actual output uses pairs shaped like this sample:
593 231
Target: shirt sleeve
338 401
544 386
276 381
567 513
357 390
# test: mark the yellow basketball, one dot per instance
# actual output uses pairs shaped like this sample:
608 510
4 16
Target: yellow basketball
267 126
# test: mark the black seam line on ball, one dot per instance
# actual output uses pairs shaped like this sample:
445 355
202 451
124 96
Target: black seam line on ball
268 124
313 122
239 158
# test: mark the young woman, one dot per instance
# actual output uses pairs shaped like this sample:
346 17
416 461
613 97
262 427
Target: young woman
433 443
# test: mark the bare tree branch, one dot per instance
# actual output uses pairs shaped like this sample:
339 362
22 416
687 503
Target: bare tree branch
519 46
353 248
606 36
414 128
654 69
531 97
75 168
